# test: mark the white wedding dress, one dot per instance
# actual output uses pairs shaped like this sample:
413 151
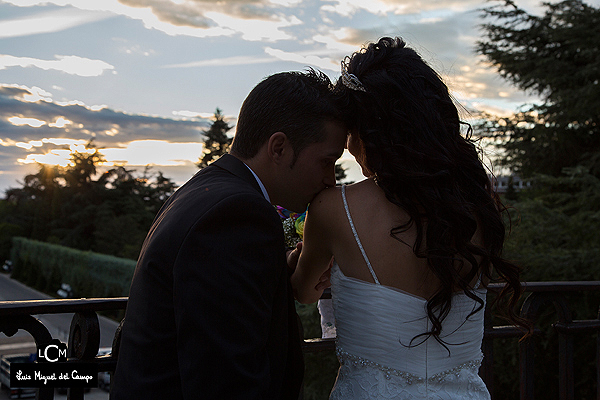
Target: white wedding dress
375 325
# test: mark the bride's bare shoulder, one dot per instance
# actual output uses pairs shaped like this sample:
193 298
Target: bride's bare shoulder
326 199
364 185
365 191
332 196
329 204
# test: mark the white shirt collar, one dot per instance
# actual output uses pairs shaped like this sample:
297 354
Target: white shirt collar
260 184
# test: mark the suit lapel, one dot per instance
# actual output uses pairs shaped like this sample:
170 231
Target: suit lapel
237 168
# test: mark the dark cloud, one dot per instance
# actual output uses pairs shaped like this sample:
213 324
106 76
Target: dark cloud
186 14
106 126
13 91
109 129
192 13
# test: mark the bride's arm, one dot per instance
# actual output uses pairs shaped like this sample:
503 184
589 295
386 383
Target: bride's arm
316 252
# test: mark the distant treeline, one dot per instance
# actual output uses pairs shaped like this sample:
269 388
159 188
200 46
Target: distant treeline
77 207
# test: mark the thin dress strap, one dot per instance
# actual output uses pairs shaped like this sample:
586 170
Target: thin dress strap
362 250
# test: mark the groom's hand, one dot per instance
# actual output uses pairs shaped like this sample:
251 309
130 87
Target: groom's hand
324 281
293 256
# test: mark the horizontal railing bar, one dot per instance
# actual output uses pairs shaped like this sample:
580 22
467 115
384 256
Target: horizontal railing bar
578 326
553 286
60 306
506 332
317 345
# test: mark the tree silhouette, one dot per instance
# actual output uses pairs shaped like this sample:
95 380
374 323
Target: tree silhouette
555 222
557 57
216 142
78 207
82 168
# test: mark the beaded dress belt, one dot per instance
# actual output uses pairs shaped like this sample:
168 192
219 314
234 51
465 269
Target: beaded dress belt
347 358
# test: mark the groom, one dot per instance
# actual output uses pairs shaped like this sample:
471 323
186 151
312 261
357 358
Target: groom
210 312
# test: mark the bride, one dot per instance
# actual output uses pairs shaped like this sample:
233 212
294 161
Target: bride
414 244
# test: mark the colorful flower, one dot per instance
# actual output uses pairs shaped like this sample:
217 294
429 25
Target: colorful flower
293 225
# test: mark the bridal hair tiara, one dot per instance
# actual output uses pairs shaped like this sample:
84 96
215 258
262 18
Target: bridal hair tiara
350 80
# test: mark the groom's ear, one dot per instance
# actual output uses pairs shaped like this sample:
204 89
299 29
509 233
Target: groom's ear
278 147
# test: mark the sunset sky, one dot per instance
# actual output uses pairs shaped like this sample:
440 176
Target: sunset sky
143 77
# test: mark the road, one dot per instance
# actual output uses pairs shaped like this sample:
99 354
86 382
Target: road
57 324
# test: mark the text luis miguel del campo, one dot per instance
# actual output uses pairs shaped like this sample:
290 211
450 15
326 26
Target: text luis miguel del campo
52 370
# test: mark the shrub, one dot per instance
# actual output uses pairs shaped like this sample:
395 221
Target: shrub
46 266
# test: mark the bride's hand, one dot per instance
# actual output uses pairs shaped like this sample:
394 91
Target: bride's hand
293 256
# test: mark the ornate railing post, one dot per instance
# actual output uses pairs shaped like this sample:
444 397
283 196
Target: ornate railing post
530 311
598 360
487 347
84 342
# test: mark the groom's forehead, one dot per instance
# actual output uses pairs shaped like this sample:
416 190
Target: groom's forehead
333 136
325 149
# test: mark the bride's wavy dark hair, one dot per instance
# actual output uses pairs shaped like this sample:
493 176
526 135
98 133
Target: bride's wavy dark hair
426 162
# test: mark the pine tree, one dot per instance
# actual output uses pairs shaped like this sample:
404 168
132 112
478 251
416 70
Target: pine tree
556 56
553 236
216 142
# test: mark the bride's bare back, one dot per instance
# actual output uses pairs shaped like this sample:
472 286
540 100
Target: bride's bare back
328 233
393 259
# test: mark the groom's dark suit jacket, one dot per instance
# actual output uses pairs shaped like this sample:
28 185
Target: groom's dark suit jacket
210 312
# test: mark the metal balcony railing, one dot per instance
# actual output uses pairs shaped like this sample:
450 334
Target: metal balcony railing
84 335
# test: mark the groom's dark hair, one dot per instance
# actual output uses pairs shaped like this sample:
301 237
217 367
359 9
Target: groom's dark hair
295 103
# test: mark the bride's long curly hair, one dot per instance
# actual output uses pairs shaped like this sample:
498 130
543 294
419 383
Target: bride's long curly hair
426 162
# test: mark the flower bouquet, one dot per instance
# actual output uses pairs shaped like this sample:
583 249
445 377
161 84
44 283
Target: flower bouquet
293 229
